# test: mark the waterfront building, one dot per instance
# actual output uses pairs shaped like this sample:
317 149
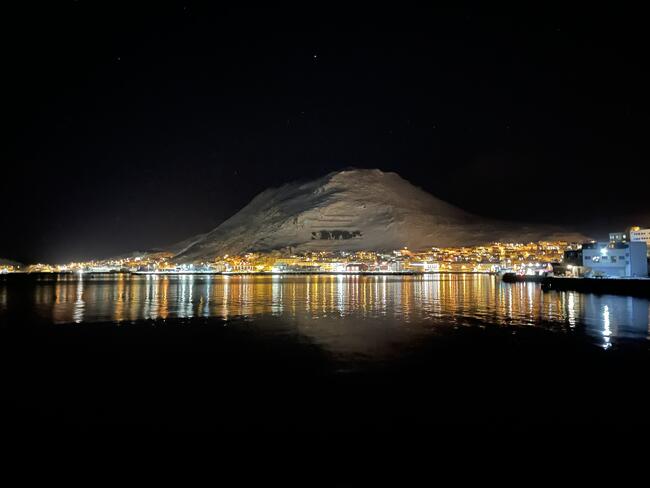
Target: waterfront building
573 257
615 259
637 234
333 266
618 237
425 266
571 264
242 268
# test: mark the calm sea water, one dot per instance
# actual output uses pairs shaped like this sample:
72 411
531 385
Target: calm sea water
328 307
324 354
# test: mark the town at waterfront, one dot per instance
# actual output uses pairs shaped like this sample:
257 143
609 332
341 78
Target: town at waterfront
624 254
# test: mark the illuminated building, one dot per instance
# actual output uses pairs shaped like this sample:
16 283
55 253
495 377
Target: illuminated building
638 234
616 259
618 237
356 267
571 265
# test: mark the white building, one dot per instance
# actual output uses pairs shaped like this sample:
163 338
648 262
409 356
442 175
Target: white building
618 237
425 267
616 259
640 235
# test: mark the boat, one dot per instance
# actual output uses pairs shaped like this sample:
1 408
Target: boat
511 277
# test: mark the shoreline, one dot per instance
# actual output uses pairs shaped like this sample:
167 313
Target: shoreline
244 273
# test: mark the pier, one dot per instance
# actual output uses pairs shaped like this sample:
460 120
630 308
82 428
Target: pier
602 286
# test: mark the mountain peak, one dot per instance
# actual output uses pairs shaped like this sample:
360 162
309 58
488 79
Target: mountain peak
348 210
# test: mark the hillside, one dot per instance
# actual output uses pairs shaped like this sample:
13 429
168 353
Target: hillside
352 210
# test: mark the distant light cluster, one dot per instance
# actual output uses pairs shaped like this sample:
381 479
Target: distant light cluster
492 258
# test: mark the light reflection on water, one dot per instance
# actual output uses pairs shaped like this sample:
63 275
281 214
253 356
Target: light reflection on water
401 300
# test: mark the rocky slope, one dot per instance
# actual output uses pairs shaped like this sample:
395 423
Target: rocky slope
352 210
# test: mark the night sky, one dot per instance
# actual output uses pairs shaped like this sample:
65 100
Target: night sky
130 127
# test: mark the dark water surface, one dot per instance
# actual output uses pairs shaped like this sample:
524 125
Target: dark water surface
388 302
319 354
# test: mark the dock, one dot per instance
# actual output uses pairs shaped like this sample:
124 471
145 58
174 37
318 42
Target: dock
603 286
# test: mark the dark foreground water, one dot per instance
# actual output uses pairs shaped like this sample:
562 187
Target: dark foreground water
393 355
